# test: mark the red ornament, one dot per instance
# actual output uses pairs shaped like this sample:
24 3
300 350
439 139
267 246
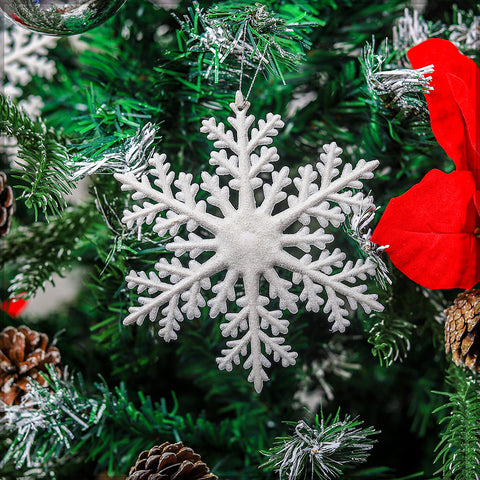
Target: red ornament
433 228
14 306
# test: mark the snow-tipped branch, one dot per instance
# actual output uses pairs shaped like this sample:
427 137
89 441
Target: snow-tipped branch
324 450
53 423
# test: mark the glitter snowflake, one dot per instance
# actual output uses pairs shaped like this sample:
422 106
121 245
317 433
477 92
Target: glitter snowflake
254 241
24 56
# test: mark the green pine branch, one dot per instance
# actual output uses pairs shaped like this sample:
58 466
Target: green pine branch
459 446
40 250
42 157
64 420
390 337
238 36
66 423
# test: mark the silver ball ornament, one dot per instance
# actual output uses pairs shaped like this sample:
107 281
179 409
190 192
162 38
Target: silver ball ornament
59 17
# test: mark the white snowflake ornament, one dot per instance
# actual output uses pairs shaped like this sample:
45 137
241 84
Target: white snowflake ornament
25 56
253 237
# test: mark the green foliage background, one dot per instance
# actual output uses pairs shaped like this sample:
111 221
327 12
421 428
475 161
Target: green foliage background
102 95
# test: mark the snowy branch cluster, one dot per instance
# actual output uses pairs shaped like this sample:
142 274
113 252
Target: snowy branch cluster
57 412
402 88
323 451
412 29
133 156
397 84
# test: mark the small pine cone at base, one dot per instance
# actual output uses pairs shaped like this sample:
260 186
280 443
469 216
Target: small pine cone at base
170 462
462 329
24 354
6 205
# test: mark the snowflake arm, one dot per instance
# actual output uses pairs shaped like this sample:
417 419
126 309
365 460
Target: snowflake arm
219 197
316 275
311 198
181 207
273 194
243 166
24 55
224 291
263 163
195 245
254 318
280 288
304 240
185 284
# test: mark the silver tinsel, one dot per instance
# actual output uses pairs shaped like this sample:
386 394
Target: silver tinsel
361 233
396 88
133 156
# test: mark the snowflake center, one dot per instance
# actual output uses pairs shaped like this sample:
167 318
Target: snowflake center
251 240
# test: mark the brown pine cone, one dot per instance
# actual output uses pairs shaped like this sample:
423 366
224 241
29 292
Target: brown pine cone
106 476
462 329
24 354
6 205
170 462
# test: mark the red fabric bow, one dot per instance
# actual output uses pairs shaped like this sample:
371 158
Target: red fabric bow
432 229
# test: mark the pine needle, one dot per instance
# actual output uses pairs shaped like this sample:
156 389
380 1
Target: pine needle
43 160
459 446
239 37
47 248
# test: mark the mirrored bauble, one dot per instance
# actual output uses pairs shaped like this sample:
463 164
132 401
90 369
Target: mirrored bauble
59 17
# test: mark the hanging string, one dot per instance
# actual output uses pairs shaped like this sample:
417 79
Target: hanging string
255 76
242 62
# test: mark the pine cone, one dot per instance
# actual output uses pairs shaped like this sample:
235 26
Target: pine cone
462 329
6 205
170 462
106 476
24 354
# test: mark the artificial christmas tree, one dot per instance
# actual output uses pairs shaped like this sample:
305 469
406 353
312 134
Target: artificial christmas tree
255 226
